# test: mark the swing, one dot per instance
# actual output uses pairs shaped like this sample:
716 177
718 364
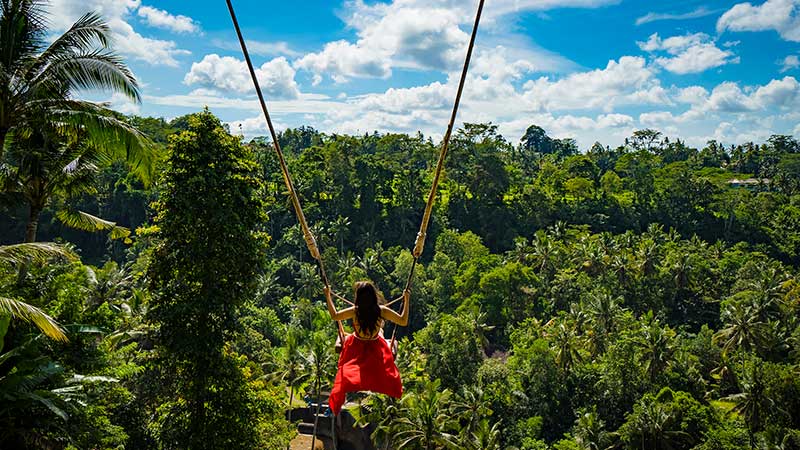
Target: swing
308 236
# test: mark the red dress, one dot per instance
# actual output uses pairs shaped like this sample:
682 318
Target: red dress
365 365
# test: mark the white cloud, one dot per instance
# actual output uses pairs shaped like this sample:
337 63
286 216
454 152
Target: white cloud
63 13
342 59
420 34
778 93
121 103
691 53
626 81
162 19
782 16
653 17
276 77
405 37
692 95
791 62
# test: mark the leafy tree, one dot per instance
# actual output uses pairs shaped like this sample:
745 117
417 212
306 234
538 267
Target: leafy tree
40 79
21 254
424 421
199 283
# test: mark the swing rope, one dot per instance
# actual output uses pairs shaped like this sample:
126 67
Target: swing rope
419 245
311 243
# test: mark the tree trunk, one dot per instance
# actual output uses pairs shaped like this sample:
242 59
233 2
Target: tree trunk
33 224
3 133
291 400
316 419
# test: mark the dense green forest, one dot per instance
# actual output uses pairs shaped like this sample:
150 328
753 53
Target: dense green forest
156 292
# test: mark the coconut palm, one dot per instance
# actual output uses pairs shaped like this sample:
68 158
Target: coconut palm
753 401
321 365
603 310
651 426
339 228
425 422
55 143
382 412
565 344
290 366
49 169
743 329
39 79
656 345
18 255
470 407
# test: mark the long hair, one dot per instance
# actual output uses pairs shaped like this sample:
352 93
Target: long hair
368 309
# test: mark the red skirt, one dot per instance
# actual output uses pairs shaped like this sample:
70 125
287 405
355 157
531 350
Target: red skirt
365 366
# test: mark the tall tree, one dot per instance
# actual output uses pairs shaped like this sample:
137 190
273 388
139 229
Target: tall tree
204 268
39 78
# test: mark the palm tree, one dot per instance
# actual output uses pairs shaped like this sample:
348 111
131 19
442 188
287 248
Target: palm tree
651 427
477 320
382 412
752 402
18 255
321 366
470 407
339 228
743 328
47 167
603 310
566 346
647 255
656 344
308 281
38 81
290 366
425 422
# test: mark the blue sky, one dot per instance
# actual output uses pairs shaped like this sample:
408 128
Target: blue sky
594 70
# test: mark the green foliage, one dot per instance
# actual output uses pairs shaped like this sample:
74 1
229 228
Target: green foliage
454 351
199 284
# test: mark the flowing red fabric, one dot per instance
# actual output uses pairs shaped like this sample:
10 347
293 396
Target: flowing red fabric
365 365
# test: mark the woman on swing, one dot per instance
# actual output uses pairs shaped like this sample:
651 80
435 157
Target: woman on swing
367 361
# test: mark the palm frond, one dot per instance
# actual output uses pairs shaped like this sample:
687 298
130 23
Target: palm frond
32 314
98 69
113 138
36 251
87 31
87 222
22 31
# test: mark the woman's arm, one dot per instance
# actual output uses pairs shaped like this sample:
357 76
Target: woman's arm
347 313
402 318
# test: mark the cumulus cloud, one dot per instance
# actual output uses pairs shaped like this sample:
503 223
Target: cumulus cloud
63 13
162 19
415 34
691 53
276 77
626 81
405 37
782 16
